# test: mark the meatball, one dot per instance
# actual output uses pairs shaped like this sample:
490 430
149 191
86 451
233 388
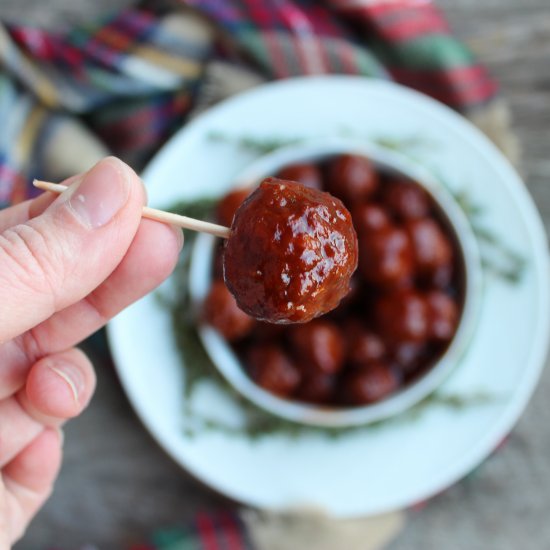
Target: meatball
291 253
441 277
220 311
272 369
385 257
408 356
319 345
406 200
351 178
443 313
366 348
369 217
431 247
225 211
363 346
317 388
306 174
369 384
402 316
268 332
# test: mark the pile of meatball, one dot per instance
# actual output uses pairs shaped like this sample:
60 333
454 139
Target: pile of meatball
402 310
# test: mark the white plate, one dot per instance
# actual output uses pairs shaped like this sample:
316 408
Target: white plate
374 470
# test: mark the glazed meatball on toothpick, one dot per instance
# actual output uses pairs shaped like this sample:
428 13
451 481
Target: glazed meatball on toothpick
291 253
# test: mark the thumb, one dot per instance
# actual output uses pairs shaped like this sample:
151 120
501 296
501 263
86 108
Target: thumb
59 257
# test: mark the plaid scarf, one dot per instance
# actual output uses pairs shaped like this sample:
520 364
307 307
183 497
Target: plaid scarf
124 84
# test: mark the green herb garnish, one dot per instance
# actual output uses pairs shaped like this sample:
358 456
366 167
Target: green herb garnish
498 259
257 423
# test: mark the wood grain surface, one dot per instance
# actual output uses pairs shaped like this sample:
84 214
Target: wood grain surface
116 485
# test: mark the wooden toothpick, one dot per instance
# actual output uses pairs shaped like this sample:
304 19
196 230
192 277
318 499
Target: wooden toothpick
159 215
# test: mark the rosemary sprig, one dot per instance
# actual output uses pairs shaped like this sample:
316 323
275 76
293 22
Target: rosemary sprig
257 423
498 259
261 145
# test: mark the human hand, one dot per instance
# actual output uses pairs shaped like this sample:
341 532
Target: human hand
67 265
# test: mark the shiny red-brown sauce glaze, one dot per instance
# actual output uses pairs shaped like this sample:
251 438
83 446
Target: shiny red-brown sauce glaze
291 253
399 317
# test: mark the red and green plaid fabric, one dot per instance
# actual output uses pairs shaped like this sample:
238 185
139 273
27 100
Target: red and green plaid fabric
407 40
130 80
207 532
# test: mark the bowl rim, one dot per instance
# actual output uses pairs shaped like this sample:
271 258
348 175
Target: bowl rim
227 362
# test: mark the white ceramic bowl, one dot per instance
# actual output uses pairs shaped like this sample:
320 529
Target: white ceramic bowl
229 364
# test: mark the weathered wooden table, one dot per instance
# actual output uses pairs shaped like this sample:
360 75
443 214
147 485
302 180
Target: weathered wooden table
116 485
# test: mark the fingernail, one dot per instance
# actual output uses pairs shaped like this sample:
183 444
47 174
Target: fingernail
101 193
179 237
72 376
